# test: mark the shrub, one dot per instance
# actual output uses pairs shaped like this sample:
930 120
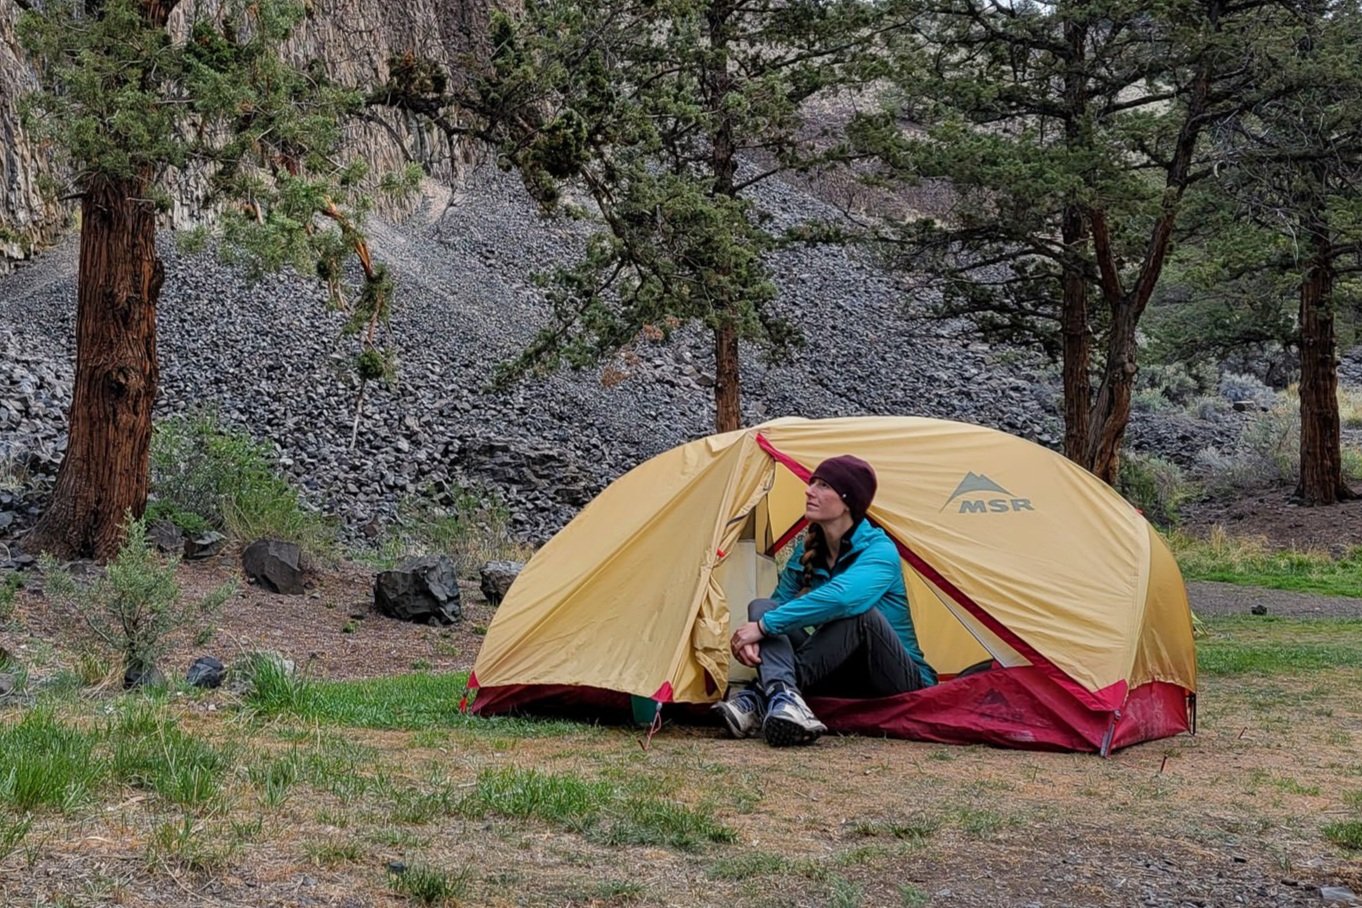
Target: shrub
1156 486
1267 453
1234 386
11 582
1173 383
135 605
205 476
470 526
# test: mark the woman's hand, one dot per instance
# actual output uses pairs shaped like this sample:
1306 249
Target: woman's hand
745 644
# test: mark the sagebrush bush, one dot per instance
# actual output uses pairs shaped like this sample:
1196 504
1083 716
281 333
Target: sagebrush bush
1234 386
471 527
204 475
1158 487
135 605
1267 453
1174 383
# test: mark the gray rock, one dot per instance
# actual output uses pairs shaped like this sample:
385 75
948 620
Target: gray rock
424 588
1258 609
274 565
1337 895
496 579
8 682
204 545
205 671
166 536
143 676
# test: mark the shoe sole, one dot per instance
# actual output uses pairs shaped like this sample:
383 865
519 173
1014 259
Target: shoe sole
735 730
785 733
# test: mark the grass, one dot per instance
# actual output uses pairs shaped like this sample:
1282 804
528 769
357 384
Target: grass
1249 561
1273 646
414 702
349 776
428 886
1346 835
598 808
45 764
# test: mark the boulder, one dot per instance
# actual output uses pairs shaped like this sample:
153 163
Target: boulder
204 545
142 676
274 565
424 588
166 536
205 671
497 577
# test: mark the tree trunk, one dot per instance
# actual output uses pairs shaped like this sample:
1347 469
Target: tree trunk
1321 473
1077 349
1111 405
104 473
723 162
727 394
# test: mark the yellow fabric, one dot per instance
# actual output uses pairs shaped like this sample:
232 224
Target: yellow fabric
625 597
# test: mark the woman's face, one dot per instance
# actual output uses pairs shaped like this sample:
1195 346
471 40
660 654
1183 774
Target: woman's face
821 502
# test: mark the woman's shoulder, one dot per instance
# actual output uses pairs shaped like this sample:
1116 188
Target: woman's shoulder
869 536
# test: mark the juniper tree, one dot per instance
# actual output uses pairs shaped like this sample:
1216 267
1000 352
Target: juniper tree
1291 164
1068 133
663 115
128 101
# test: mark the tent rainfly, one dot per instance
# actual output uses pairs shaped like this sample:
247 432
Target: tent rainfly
1013 557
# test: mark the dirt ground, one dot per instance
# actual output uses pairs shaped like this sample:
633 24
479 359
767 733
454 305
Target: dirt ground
1229 817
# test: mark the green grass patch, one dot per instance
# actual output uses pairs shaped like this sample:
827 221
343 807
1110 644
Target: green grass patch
47 764
1249 561
1346 834
1268 645
747 865
414 702
149 750
596 808
428 886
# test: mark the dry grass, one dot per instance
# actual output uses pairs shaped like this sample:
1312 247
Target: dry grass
315 812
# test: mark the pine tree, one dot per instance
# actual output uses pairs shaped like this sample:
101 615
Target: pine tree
1291 164
1067 134
664 115
127 104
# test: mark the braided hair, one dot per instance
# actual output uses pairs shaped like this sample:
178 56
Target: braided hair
816 550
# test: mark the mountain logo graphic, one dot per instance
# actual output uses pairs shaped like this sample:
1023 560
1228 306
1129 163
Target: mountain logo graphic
985 497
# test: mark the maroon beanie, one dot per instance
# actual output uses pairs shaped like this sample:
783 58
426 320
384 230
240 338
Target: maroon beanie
850 477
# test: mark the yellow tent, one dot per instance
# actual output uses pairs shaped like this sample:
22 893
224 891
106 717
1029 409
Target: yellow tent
1011 553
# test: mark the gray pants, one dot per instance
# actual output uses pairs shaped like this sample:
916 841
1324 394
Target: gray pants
849 657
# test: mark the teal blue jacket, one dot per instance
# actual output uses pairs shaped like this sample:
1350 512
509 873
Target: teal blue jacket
867 575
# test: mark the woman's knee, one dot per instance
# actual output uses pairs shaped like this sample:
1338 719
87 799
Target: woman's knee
758 607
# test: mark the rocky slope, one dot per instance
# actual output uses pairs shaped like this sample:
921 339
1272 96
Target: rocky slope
268 357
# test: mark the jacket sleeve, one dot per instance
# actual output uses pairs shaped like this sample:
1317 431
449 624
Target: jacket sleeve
854 591
791 579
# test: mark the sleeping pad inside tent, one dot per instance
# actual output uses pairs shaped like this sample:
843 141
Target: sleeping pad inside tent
1013 556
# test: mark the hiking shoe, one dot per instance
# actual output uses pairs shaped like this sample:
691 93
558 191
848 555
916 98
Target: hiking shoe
741 713
790 721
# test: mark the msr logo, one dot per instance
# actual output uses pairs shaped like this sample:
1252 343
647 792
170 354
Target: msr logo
985 497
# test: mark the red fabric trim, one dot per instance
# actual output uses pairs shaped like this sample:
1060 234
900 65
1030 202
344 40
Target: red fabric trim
664 693
781 457
1018 707
471 688
1156 709
1107 699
